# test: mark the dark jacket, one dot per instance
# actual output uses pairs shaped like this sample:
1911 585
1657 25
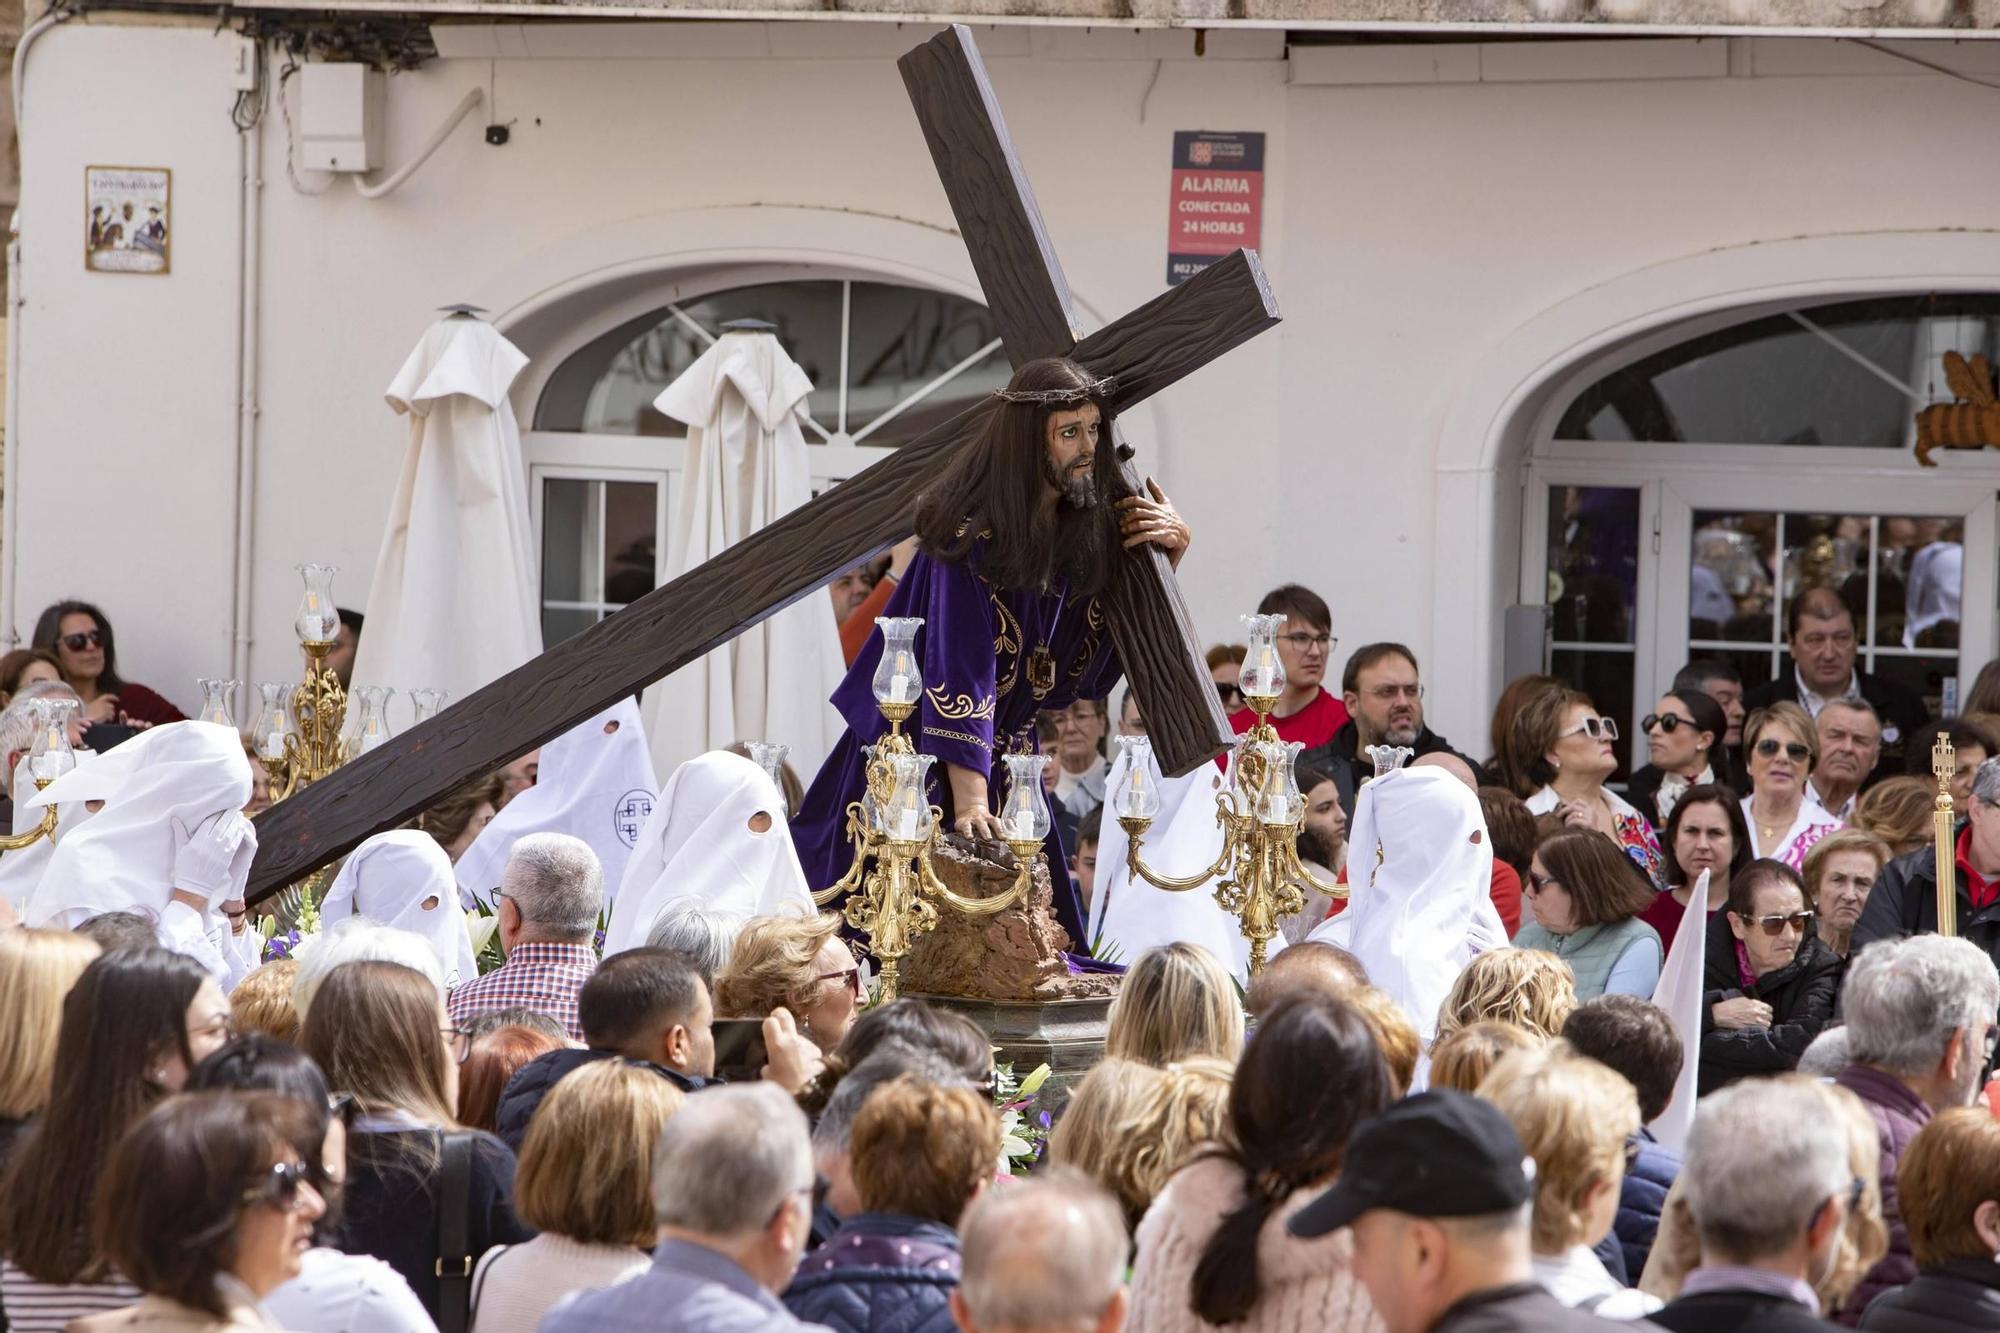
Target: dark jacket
1898 1114
1525 1308
1738 1312
879 1274
1350 772
1904 902
1902 712
1642 1199
1958 1296
1801 995
532 1081
390 1207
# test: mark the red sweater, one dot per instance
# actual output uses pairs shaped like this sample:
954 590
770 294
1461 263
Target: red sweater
1313 725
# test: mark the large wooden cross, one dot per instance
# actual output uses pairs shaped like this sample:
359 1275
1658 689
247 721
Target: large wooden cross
1144 352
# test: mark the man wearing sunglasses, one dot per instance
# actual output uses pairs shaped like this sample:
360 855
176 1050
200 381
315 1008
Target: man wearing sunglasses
1306 711
1904 899
1384 698
1824 647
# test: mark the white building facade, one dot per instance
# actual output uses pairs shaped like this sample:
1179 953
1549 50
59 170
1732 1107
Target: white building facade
1629 333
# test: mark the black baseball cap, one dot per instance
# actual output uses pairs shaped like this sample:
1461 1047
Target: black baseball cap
1437 1154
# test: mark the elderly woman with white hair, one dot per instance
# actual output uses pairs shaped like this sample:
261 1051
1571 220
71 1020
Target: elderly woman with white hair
702 937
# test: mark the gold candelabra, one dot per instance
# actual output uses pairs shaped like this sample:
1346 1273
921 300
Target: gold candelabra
894 890
315 748
48 758
1944 766
45 829
1258 876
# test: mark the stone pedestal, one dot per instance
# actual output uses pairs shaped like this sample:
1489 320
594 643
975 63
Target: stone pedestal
1066 1035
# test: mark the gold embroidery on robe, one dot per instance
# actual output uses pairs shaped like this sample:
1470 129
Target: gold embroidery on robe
958 707
959 736
1006 648
1093 624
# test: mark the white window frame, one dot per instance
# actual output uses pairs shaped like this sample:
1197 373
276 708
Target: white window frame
666 483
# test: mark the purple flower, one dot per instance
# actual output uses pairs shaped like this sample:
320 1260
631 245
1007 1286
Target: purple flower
1043 1120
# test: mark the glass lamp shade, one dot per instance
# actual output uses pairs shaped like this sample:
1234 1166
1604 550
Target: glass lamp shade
898 679
770 756
370 727
217 701
908 815
274 720
51 756
1280 803
1263 673
317 621
1138 794
425 704
1025 817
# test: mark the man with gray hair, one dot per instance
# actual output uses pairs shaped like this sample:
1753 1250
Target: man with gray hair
550 897
1043 1255
732 1192
1920 1027
1904 899
1767 1180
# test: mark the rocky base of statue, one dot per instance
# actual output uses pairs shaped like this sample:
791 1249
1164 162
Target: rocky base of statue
1014 955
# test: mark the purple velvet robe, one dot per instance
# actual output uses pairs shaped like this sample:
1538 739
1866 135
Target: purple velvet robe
979 702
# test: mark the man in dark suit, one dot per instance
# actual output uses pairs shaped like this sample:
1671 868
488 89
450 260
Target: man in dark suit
1768 1181
1823 644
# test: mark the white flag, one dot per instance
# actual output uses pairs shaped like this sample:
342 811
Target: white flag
1679 992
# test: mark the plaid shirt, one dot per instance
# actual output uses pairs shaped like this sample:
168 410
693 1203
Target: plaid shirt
541 977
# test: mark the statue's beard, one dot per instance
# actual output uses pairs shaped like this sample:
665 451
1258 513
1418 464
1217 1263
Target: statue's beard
1078 489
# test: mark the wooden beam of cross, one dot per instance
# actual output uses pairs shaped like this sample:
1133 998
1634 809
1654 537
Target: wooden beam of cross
1161 342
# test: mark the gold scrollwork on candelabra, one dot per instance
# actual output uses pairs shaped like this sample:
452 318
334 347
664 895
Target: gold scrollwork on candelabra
1258 876
315 748
45 829
893 889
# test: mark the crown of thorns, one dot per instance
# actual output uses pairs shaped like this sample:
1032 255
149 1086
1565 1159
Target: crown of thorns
1096 388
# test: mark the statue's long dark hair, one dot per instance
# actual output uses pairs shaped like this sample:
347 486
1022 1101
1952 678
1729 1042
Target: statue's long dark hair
995 488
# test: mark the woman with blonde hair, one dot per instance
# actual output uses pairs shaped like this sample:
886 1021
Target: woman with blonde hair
1780 748
586 1183
1575 1118
1948 1189
798 964
1525 987
1402 1045
37 968
1569 750
1177 1001
1131 1125
1898 810
1462 1060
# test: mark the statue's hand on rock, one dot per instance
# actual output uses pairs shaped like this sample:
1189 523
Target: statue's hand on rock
1153 518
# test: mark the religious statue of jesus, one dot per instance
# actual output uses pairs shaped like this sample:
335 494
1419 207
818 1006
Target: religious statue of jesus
1016 544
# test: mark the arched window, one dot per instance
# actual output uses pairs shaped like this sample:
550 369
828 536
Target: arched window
1686 489
887 362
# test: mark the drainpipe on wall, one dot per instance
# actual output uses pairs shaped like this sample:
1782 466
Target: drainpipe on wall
249 286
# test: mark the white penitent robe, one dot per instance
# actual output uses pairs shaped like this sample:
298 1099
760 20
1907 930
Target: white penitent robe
452 605
595 783
1131 915
747 466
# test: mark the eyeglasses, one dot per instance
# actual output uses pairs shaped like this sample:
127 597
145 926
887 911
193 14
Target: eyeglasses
460 1042
1597 728
223 1026
1389 693
1301 642
1631 1155
1777 924
1540 883
850 978
90 638
280 1189
1668 723
1797 752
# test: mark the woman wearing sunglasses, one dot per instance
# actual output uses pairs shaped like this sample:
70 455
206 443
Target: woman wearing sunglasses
81 639
1780 747
1572 745
207 1208
1770 981
1683 733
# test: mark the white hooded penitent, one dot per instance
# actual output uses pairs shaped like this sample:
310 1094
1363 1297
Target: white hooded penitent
699 846
742 400
452 605
595 783
403 879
